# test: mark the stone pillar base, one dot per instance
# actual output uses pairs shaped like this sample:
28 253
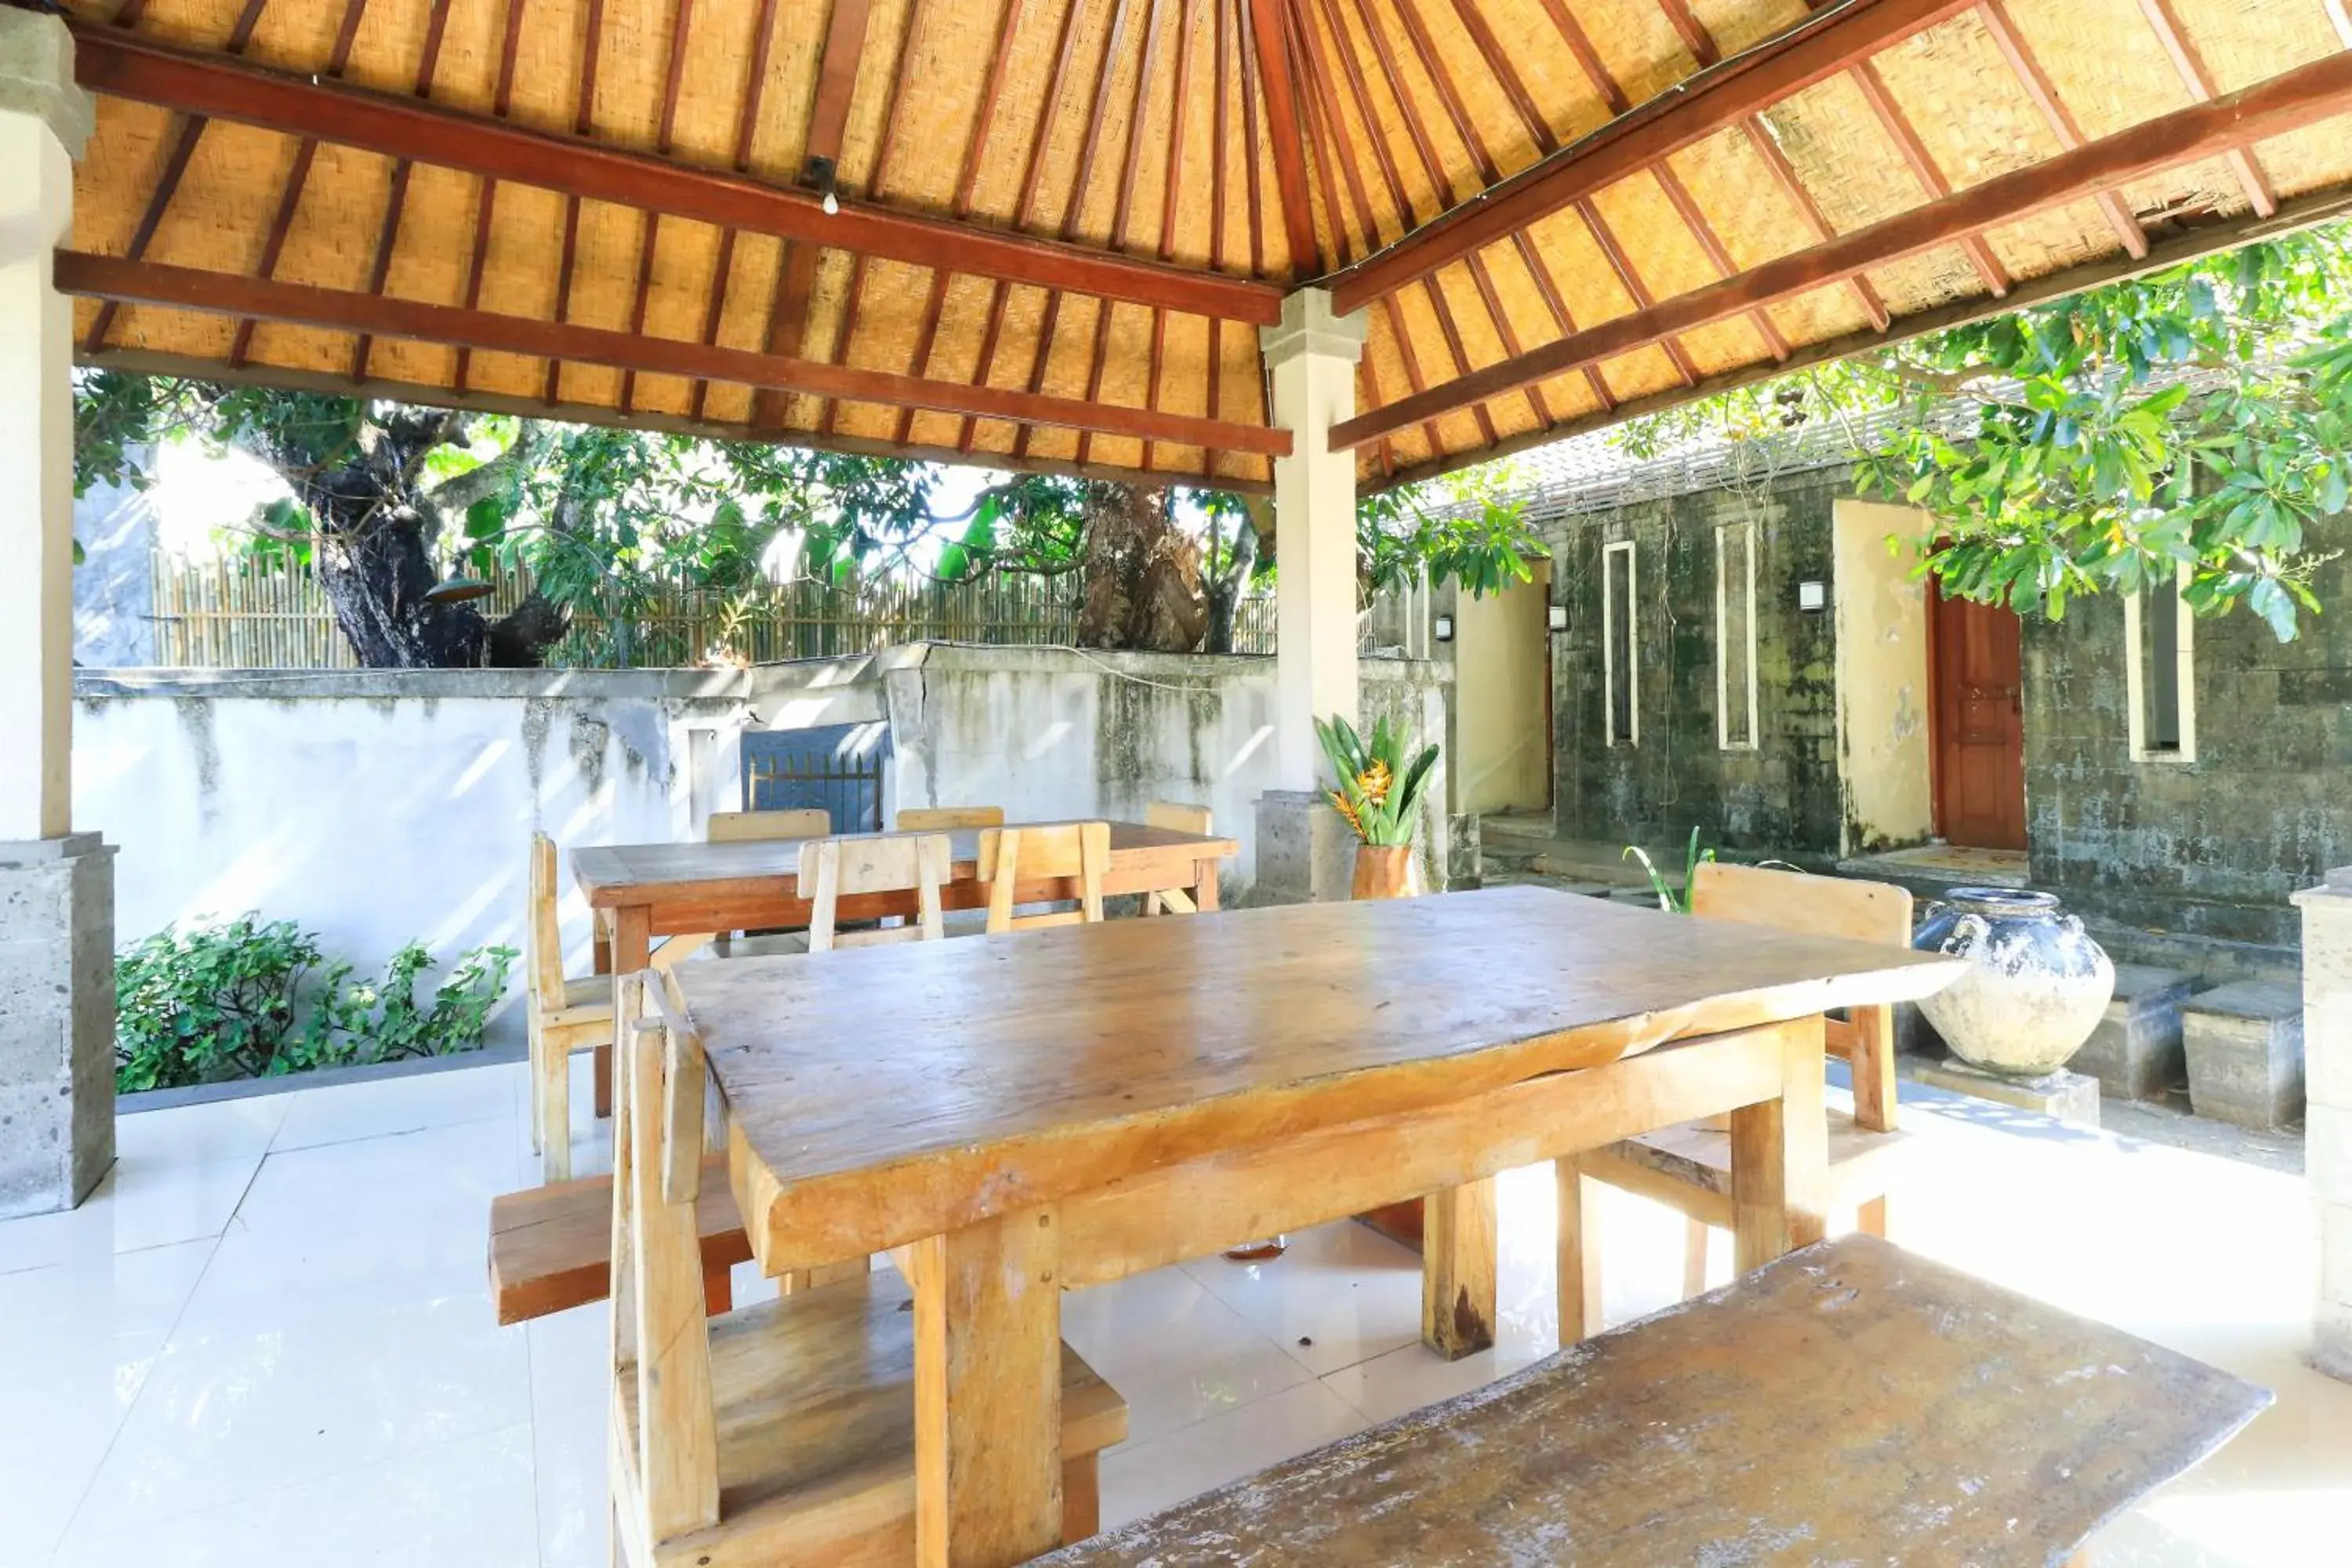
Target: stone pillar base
2071 1097
56 1021
1306 854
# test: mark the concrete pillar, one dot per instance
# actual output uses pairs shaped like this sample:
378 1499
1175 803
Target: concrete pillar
56 925
2327 1126
1312 357
1305 853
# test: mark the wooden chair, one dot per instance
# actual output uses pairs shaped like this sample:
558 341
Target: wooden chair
749 827
562 1016
920 863
1078 850
551 1246
947 819
780 1432
1849 1403
1177 819
1689 1167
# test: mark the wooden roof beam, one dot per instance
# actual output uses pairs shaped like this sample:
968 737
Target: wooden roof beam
1281 122
2189 63
336 310
2285 103
1811 50
399 127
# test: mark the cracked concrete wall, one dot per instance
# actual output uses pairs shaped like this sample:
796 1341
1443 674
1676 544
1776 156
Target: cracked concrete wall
1784 794
381 806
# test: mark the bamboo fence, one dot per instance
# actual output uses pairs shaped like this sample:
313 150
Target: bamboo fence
237 616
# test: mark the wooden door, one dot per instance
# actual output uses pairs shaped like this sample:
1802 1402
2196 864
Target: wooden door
1979 724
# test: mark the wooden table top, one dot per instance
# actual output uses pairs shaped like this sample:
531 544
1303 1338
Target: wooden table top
887 1094
611 875
1850 1403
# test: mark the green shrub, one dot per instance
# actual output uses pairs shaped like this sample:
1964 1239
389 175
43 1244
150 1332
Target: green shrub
249 999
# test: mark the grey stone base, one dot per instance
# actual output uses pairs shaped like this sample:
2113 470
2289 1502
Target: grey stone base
2071 1097
1306 853
2135 1052
1465 864
56 1021
2244 1044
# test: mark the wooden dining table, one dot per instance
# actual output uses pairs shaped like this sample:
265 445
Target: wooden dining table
1016 1116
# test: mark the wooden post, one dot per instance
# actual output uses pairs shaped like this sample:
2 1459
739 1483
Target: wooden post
1457 1269
1580 1252
1779 1156
988 1391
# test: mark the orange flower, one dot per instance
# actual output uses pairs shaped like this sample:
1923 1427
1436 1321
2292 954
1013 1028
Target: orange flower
1373 782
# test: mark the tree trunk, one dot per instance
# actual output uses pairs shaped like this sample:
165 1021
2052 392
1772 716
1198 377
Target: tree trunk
1142 575
1226 589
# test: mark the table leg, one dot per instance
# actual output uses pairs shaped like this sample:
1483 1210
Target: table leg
1204 885
628 949
988 1391
1580 1252
1780 1157
1457 1269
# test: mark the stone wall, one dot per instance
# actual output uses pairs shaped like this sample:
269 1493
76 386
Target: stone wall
2211 848
1783 794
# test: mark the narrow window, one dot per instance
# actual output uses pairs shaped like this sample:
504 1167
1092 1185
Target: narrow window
1619 643
1735 636
2159 646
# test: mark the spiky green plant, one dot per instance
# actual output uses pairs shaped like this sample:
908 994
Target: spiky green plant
1674 902
1379 793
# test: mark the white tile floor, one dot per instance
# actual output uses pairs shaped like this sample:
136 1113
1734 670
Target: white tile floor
266 1338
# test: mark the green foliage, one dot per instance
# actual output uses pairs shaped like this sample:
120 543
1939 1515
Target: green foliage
249 999
1470 527
1674 900
1378 792
2198 417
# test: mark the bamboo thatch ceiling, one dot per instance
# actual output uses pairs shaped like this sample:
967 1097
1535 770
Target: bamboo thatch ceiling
1060 221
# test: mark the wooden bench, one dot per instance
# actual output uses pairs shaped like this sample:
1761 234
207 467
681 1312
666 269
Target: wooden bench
1850 1403
551 1246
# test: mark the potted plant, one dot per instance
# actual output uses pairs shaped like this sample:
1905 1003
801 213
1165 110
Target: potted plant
1379 794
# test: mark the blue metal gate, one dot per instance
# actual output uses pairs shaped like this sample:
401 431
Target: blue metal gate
835 767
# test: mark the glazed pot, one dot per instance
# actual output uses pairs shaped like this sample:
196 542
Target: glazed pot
2036 985
1382 871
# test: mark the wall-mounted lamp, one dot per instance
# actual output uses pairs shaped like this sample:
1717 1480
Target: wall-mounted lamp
1556 618
1444 632
1812 596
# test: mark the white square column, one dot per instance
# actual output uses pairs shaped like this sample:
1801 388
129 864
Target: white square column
45 120
2327 1120
56 887
1312 358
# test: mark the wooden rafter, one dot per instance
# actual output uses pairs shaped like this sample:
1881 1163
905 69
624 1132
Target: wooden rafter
300 304
1271 53
1131 167
387 239
486 205
396 126
298 175
1922 163
186 133
1811 50
893 106
2002 27
664 138
746 127
583 123
2299 98
2189 63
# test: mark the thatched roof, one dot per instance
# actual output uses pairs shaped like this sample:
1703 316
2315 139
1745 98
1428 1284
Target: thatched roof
1060 221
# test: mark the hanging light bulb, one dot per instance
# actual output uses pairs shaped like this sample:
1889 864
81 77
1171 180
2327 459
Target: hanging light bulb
832 205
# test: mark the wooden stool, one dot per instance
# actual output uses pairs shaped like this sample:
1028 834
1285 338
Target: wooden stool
1177 819
1689 1167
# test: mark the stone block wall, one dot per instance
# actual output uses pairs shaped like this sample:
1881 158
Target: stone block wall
1784 794
2209 848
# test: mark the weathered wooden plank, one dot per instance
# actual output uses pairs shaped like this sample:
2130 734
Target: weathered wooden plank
1849 1404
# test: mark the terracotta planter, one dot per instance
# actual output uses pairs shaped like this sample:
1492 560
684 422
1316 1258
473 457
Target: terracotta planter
1382 871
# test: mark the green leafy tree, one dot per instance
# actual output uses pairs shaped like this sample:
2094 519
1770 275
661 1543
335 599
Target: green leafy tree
2197 418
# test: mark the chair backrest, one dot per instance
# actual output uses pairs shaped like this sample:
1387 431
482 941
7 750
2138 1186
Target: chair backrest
1823 905
947 819
1076 851
542 935
831 868
741 827
661 1343
1176 817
